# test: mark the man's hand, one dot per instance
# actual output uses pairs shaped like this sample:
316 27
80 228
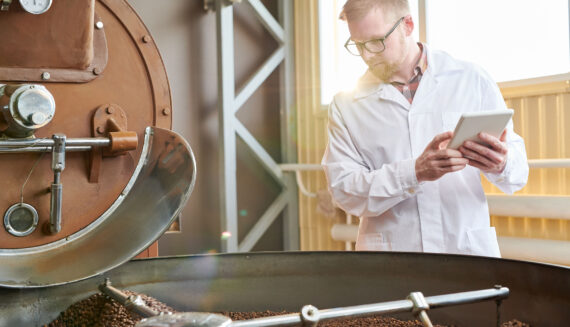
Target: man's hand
437 161
489 160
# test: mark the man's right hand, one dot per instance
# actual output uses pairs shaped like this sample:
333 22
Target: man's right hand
437 161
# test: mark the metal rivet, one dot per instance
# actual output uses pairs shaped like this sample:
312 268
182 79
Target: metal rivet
110 110
99 25
166 111
100 130
146 39
45 76
96 70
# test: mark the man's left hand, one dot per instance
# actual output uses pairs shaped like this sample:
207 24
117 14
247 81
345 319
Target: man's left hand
488 159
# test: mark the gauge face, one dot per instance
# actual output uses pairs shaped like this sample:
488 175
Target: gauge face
36 7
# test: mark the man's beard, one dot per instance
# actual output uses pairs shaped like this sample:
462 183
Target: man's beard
386 70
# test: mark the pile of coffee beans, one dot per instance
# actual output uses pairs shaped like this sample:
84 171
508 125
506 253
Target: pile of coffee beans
376 320
99 310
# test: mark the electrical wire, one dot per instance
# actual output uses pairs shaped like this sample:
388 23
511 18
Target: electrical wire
29 175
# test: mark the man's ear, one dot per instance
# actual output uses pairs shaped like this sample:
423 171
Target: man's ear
408 25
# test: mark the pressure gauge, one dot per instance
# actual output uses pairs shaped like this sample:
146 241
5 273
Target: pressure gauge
35 7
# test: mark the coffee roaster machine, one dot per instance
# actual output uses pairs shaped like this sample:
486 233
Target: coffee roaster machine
92 175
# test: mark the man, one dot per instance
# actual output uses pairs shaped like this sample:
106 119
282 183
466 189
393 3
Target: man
386 160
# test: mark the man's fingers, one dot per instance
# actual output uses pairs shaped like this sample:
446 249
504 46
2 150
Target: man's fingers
450 169
496 143
445 154
471 155
484 152
434 144
477 164
503 137
451 162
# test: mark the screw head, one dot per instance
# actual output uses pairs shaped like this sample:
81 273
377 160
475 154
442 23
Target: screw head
100 129
146 39
96 71
166 111
99 25
46 76
110 110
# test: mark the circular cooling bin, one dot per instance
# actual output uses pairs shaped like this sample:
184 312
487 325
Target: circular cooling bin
290 280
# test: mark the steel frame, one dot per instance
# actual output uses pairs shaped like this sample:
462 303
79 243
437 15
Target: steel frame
229 125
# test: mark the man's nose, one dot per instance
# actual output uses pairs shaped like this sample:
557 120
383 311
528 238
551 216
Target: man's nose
365 54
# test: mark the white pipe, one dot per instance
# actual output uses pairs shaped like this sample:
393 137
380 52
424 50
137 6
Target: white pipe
344 232
297 167
302 186
529 249
549 163
348 244
532 206
532 163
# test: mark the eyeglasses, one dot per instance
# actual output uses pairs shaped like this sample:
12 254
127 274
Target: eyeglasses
373 46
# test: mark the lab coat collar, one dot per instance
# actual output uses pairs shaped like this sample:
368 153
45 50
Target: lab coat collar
437 66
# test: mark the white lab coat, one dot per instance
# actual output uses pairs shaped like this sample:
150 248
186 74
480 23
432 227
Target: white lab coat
375 135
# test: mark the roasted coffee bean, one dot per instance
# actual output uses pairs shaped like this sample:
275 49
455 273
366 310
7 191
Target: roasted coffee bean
99 310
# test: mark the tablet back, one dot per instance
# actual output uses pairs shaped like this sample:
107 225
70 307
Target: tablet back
472 123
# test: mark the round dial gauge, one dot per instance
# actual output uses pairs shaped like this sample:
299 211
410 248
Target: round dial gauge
35 7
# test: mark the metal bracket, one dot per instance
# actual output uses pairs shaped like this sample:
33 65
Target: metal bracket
210 5
420 307
107 119
57 165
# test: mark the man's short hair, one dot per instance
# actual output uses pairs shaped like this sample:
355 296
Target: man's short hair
358 9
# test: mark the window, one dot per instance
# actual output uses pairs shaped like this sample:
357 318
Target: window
510 39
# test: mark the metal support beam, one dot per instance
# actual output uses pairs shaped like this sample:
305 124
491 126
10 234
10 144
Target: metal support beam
229 125
268 21
264 223
291 233
259 77
227 150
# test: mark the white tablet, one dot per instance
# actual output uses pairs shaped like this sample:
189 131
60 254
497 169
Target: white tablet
472 123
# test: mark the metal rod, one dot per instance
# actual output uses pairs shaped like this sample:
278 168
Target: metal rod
55 206
57 165
18 143
496 293
437 301
45 149
134 304
33 143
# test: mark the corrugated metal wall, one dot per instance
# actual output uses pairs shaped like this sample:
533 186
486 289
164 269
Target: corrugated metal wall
311 121
542 118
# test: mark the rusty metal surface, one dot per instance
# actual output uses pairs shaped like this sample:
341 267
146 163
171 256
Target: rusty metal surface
289 280
51 47
134 79
157 191
60 38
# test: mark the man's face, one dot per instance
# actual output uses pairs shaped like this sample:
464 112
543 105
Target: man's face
375 26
